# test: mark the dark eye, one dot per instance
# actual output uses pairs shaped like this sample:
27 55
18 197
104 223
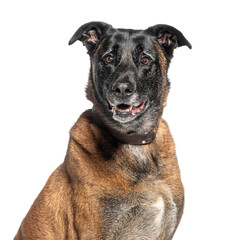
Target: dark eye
145 60
108 59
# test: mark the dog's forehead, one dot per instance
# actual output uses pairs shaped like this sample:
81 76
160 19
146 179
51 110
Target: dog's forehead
130 39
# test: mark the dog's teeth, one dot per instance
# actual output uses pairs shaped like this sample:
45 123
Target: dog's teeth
130 108
115 107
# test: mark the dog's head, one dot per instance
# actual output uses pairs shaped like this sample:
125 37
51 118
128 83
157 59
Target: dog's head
128 82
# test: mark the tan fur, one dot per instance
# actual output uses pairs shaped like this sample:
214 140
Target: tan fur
67 207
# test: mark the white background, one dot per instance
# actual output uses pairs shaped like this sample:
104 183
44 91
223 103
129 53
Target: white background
42 82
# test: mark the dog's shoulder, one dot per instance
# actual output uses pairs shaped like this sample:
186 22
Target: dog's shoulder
46 218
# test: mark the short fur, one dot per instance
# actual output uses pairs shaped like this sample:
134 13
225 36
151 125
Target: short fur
107 189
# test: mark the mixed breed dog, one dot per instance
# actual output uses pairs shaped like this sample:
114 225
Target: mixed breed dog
120 178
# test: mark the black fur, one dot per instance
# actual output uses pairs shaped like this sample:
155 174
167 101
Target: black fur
143 82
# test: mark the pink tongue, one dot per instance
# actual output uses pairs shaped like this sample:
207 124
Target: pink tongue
137 109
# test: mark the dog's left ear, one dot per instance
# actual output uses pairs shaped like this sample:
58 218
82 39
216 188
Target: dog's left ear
91 34
168 37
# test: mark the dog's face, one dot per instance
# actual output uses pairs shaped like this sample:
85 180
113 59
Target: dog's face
128 79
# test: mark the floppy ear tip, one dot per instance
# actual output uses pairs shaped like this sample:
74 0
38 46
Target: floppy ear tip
189 45
70 42
185 42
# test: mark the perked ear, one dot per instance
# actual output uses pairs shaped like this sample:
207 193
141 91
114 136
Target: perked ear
168 37
90 34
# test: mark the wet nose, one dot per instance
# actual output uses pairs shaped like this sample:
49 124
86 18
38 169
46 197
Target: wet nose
121 89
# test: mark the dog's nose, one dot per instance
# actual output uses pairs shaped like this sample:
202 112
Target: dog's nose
122 89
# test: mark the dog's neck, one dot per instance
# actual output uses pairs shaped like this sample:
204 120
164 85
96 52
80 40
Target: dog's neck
133 139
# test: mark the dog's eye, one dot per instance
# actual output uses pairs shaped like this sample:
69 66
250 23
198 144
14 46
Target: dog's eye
145 60
108 59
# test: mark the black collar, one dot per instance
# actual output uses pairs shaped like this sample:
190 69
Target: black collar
134 139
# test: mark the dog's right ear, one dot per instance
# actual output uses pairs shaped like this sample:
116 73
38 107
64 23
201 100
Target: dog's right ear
168 38
90 34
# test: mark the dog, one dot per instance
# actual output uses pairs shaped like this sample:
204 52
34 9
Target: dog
120 179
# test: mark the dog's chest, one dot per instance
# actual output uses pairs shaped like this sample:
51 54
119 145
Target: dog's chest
147 211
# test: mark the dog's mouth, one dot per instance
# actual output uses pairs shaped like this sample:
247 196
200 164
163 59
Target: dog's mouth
124 112
127 109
